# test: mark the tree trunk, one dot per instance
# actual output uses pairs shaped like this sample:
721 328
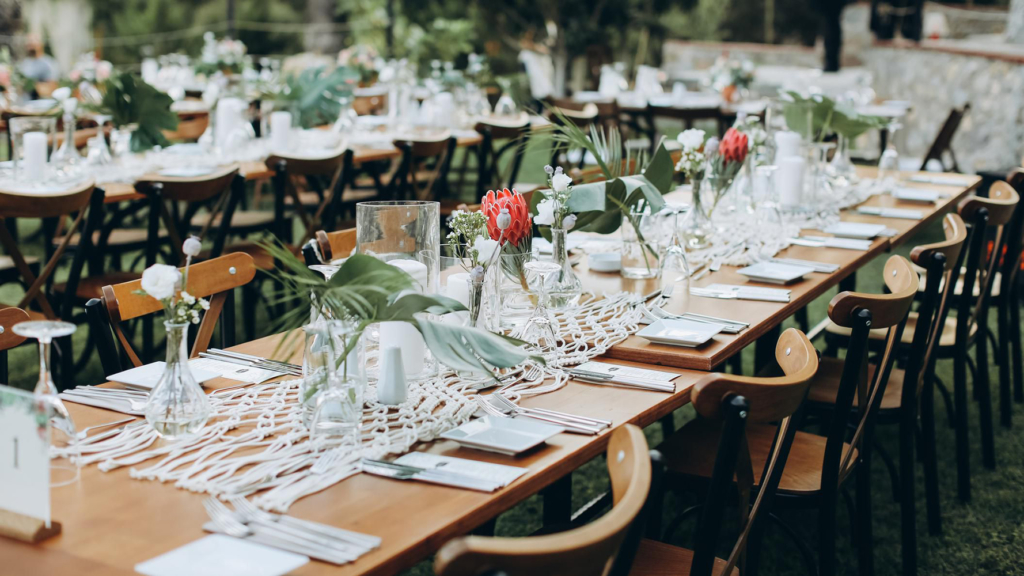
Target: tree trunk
319 37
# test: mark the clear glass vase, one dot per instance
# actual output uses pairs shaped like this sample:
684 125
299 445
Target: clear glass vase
512 298
338 412
566 289
841 168
640 249
177 405
697 225
325 342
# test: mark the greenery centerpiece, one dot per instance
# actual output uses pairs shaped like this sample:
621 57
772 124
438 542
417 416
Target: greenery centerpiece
315 96
366 291
827 118
131 102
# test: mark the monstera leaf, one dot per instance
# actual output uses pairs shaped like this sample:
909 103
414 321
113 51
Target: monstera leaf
129 100
827 117
314 95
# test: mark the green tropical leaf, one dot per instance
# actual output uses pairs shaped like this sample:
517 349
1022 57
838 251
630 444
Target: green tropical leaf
129 100
660 169
407 305
586 198
470 349
314 95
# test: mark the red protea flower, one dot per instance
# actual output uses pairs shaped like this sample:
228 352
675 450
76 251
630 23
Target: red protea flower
519 211
734 147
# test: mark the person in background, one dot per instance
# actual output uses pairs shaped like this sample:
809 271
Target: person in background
36 64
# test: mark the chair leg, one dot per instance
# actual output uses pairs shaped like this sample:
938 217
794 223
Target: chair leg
947 400
1015 350
1002 351
668 425
249 304
982 384
963 449
908 523
894 477
827 534
865 538
805 550
803 320
928 459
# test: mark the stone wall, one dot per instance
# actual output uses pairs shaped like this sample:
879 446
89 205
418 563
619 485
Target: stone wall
682 56
991 135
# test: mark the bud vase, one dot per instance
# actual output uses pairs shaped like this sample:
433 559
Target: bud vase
177 405
697 226
331 391
641 254
566 290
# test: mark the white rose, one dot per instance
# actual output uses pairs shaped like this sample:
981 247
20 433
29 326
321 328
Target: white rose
691 139
545 213
160 281
485 248
560 182
192 247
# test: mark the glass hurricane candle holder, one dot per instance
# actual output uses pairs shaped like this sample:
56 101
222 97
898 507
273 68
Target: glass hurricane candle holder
32 138
402 230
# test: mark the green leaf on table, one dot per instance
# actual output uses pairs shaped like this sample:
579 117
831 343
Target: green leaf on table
129 101
471 349
314 95
587 198
851 124
412 303
660 170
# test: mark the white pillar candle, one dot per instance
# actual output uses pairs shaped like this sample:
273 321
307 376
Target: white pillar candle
150 70
414 268
678 91
787 145
403 335
789 181
391 386
229 118
457 288
34 156
280 131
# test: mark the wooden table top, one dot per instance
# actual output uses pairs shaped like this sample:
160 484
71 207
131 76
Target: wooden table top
763 316
112 522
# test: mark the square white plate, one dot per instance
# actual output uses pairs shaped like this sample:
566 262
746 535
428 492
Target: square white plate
859 230
509 436
146 376
775 273
679 332
220 555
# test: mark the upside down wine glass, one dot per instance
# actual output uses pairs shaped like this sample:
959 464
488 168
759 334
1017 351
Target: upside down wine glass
889 163
63 434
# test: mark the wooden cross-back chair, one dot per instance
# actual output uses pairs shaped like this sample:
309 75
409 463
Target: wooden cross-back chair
490 155
8 339
909 391
746 432
583 116
1008 302
214 279
422 171
989 220
312 188
325 247
591 550
944 140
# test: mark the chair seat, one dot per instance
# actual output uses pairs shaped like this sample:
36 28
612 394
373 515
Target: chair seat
359 195
658 559
825 384
307 198
948 338
92 286
119 237
240 219
691 452
7 263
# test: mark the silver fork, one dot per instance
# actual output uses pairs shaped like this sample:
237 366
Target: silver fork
501 399
247 508
226 521
504 412
84 432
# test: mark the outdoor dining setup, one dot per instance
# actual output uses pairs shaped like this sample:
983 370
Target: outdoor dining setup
340 319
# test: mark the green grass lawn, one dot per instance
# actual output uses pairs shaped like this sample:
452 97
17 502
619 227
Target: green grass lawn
985 536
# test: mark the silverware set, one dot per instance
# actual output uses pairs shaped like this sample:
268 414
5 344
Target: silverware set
232 357
498 405
397 471
656 313
319 541
621 381
117 399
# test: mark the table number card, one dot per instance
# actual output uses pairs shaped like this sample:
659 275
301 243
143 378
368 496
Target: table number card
24 455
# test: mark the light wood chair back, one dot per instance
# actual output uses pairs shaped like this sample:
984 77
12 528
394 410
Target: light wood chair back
989 219
336 244
586 551
861 313
78 201
288 171
214 279
422 171
491 155
736 400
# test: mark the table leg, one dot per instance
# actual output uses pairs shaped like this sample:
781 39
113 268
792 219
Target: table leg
848 284
764 348
558 502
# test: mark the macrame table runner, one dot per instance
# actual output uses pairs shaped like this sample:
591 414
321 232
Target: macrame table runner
255 443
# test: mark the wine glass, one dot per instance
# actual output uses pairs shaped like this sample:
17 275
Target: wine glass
63 434
889 163
541 330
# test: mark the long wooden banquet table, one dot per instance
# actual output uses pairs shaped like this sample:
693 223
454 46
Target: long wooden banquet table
112 522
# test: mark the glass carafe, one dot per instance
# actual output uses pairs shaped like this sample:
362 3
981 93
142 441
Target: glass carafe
177 405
